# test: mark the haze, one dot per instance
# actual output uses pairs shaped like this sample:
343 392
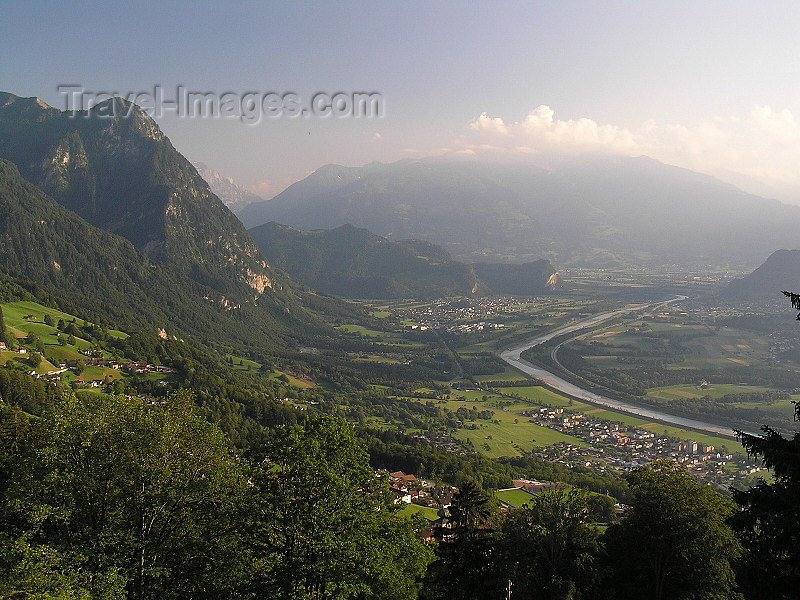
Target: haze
708 86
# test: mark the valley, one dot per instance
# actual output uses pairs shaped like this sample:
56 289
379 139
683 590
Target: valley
138 311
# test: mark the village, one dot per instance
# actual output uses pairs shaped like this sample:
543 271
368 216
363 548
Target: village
618 447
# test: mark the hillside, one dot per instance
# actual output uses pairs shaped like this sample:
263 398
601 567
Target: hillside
355 263
537 277
83 266
781 271
116 169
600 211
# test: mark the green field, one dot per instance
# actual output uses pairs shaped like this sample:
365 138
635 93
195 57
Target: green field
515 497
508 433
508 374
14 314
292 380
431 514
681 392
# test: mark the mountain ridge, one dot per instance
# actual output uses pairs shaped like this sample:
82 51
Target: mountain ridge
589 210
355 263
122 174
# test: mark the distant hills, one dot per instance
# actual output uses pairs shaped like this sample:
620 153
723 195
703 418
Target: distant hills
600 211
781 271
234 196
355 263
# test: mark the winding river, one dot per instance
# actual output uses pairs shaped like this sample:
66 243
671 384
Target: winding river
551 380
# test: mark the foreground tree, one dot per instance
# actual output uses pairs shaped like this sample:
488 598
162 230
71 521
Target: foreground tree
549 548
323 525
674 541
117 496
466 566
769 520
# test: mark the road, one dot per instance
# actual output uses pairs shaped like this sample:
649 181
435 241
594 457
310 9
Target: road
512 357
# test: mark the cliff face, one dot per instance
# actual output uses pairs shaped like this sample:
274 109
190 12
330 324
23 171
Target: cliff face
115 168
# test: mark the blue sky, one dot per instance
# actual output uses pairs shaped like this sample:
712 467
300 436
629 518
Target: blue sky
712 86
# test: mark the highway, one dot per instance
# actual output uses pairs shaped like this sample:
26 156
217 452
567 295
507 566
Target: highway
512 357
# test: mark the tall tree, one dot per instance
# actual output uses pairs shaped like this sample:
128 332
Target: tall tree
769 520
549 548
323 524
144 494
466 567
2 326
674 542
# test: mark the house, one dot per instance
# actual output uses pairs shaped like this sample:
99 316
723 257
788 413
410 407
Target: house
2 345
22 350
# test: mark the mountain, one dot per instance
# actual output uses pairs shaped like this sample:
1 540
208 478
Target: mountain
234 196
94 272
781 271
115 168
526 279
601 211
355 263
100 209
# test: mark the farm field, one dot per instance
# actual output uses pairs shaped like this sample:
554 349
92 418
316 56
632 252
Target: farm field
14 314
508 433
681 392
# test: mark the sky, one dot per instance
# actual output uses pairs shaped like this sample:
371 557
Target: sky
709 86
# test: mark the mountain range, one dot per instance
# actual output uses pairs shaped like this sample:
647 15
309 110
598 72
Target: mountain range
355 263
589 210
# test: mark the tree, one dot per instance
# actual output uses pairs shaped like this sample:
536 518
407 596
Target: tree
768 522
322 521
48 319
34 359
118 489
2 326
548 546
683 544
465 567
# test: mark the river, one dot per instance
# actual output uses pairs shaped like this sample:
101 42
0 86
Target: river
551 380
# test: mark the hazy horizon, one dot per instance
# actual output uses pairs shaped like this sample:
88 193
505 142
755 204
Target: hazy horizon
713 88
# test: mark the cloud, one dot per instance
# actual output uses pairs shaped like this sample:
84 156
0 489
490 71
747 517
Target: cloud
487 123
762 143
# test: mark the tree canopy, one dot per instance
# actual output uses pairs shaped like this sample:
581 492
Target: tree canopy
674 541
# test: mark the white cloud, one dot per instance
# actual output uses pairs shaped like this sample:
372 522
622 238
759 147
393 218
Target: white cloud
487 123
763 143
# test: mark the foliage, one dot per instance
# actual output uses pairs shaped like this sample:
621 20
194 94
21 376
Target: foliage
323 524
466 565
548 548
768 522
117 488
684 547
